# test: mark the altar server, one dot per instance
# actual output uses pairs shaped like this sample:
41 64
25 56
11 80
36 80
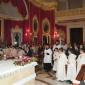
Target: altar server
47 58
81 59
57 45
62 61
71 66
55 58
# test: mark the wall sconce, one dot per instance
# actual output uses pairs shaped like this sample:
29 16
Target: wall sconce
56 35
25 34
27 30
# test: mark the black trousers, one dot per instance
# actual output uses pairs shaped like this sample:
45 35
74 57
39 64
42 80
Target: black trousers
47 67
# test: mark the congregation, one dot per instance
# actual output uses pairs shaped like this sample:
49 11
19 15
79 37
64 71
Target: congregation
64 60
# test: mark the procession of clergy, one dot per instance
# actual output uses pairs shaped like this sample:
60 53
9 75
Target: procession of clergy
67 60
64 60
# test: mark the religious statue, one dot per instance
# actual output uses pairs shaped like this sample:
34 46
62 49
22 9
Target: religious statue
17 39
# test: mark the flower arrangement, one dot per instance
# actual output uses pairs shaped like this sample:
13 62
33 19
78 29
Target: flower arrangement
25 60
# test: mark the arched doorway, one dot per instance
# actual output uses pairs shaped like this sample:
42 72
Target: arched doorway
76 35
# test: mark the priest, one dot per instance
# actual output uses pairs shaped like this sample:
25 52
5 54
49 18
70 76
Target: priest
55 59
47 58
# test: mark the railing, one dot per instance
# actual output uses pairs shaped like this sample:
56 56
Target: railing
71 13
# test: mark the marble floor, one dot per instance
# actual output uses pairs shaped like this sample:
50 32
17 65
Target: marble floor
39 83
44 78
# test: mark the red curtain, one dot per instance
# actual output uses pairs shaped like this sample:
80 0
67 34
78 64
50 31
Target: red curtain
19 4
25 25
21 7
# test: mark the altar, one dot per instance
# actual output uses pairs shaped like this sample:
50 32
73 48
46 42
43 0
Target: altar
11 74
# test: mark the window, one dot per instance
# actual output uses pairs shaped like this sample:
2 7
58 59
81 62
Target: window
75 4
62 5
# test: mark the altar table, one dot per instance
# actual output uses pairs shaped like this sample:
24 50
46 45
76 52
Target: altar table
11 74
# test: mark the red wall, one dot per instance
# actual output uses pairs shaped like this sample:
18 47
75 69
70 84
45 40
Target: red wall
33 11
41 15
9 24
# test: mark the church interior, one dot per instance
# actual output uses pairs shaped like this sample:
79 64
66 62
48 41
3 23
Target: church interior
42 42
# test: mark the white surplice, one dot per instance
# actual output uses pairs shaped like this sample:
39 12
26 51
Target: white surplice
21 53
13 52
47 58
80 61
71 67
55 58
61 72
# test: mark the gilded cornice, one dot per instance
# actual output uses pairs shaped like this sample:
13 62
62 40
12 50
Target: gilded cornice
44 5
72 14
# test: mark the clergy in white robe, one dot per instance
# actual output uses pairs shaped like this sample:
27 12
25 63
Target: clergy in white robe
6 53
55 59
81 59
62 61
56 46
21 53
71 66
47 58
13 52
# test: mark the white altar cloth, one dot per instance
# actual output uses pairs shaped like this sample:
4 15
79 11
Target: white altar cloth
11 74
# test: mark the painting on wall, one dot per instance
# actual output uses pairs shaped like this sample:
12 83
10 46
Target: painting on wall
61 34
16 35
46 26
17 38
35 24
